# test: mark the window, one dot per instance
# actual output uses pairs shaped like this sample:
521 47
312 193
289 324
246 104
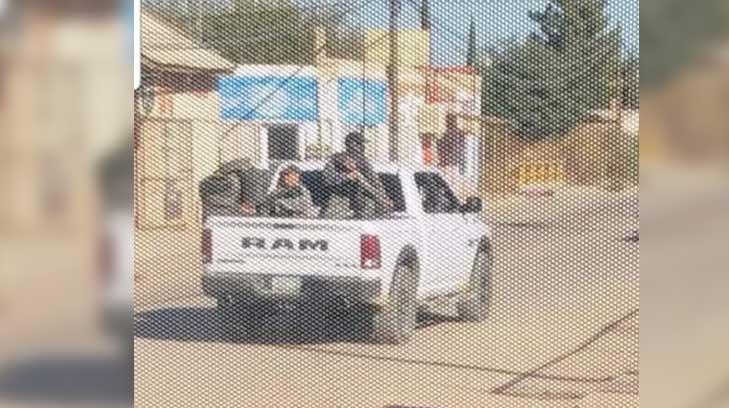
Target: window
283 142
436 194
393 187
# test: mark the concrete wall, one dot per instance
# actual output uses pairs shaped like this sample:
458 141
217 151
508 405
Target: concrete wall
414 47
594 154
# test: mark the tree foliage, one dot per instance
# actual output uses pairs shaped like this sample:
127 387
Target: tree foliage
630 74
552 81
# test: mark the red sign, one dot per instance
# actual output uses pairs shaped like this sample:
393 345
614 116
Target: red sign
451 84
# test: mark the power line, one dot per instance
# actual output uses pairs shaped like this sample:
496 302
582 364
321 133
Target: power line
286 81
301 67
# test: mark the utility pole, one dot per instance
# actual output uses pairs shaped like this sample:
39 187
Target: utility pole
393 80
198 16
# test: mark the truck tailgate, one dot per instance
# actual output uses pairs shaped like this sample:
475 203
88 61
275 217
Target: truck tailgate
282 247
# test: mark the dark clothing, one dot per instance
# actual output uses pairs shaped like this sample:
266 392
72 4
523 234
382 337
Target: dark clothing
452 148
361 198
234 184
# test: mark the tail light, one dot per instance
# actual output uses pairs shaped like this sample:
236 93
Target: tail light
207 246
370 254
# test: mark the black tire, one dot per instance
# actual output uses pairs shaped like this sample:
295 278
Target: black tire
395 323
476 302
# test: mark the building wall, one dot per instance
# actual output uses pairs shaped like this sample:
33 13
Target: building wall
581 158
413 46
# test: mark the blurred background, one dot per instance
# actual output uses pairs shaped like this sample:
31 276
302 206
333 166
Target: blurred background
684 203
66 107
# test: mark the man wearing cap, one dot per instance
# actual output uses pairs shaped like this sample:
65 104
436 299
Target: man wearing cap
290 199
355 190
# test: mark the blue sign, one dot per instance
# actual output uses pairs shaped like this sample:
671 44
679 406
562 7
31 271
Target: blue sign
362 102
268 98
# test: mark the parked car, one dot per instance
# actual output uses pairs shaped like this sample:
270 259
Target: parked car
430 246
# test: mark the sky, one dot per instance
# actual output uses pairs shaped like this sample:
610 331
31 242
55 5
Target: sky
497 21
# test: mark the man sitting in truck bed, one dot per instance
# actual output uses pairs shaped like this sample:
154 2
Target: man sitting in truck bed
290 199
235 189
355 190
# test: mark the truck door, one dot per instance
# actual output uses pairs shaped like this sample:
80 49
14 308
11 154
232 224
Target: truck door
447 235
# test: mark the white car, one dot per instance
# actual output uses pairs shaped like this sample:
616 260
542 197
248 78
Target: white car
431 247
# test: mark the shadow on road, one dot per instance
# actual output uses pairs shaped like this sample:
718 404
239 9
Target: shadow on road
69 380
288 326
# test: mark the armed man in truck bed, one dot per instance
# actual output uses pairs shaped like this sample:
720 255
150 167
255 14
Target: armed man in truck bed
355 189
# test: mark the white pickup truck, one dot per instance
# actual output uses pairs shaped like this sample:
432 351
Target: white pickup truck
430 247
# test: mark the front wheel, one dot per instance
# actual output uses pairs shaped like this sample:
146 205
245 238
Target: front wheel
395 323
476 302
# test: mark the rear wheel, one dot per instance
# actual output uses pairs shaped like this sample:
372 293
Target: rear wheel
395 323
476 301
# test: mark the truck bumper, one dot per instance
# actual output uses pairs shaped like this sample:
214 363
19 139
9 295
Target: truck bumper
305 288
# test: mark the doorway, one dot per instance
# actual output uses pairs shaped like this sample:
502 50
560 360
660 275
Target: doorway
283 143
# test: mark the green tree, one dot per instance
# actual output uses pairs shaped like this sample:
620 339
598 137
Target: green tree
552 81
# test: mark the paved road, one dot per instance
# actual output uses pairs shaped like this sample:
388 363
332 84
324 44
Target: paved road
684 300
564 328
564 332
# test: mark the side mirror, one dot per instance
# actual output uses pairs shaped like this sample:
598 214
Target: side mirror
473 205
